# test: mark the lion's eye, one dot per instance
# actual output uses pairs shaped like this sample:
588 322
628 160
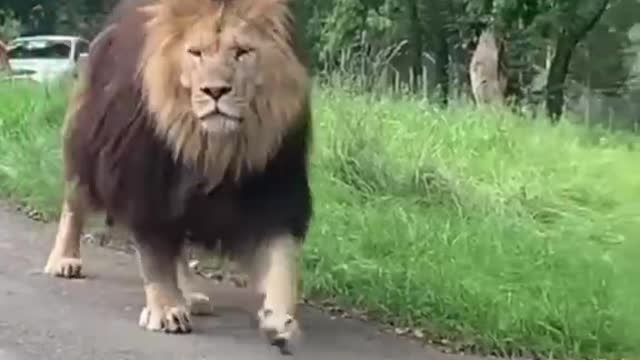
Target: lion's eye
195 52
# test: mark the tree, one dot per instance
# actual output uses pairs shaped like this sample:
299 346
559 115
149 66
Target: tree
399 42
574 20
10 26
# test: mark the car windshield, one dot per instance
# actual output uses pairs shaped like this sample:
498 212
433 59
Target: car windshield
48 49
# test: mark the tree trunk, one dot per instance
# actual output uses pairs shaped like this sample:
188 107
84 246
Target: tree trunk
557 75
569 38
4 58
440 40
442 70
415 43
488 81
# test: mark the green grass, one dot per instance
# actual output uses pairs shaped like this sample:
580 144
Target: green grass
476 225
30 128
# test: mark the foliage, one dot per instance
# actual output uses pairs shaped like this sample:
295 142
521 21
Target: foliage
10 26
426 44
431 40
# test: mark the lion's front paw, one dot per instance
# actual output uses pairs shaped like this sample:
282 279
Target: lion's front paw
281 330
67 267
199 304
174 319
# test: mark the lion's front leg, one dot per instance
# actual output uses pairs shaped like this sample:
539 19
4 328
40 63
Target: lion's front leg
166 308
275 276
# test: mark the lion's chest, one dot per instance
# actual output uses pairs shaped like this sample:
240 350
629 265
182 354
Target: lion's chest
214 214
230 214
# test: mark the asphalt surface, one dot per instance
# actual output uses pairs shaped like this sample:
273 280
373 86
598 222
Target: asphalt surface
95 318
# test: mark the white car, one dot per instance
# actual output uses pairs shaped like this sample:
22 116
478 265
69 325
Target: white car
44 58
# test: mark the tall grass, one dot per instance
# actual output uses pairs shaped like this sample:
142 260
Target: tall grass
505 233
30 125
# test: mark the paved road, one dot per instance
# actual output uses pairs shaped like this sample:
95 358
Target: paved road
96 317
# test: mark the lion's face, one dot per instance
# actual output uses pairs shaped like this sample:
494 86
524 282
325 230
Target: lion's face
223 80
220 70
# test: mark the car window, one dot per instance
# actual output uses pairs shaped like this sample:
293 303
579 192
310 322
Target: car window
30 49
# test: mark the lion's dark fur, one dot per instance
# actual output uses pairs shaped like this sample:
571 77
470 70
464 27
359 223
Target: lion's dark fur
113 153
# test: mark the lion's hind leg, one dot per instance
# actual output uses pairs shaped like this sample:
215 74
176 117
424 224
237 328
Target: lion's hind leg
198 301
64 258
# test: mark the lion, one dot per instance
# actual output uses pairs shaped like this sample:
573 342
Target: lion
192 118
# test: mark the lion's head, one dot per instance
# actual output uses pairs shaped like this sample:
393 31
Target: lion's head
223 79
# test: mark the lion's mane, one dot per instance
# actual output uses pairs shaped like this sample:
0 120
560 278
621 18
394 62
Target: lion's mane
134 148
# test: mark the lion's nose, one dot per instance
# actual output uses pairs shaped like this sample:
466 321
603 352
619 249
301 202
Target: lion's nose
216 91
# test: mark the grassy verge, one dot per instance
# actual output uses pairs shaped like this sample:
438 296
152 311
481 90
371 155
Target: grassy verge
30 125
507 234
